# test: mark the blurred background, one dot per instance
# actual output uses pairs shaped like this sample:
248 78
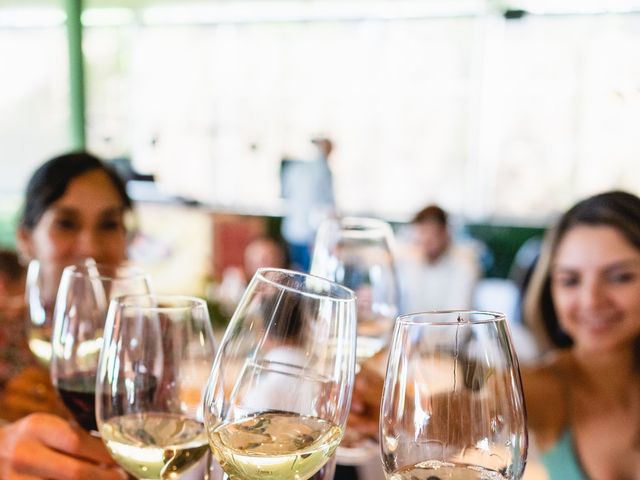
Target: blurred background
502 111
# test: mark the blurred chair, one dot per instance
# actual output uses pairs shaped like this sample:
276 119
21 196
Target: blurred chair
524 261
503 295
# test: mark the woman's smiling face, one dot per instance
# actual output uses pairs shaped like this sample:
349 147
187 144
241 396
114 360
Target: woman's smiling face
87 221
595 284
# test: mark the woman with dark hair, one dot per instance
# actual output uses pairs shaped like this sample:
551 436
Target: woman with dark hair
584 304
74 208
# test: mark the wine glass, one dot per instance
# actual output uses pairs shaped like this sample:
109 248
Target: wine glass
79 317
452 405
358 253
280 389
41 288
155 362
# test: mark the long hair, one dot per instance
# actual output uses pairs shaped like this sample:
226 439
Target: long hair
616 209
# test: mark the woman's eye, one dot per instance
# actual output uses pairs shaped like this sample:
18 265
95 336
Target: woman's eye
111 225
567 281
622 277
65 224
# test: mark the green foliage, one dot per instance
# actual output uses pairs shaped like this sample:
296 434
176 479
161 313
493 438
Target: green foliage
8 221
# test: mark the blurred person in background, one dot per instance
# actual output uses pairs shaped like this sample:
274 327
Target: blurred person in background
262 251
75 207
438 273
307 188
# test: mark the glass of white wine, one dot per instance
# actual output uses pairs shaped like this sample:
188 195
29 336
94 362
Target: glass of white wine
41 288
156 358
452 405
280 389
357 252
79 317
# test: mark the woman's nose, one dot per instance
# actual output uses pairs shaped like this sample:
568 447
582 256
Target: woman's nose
593 295
88 245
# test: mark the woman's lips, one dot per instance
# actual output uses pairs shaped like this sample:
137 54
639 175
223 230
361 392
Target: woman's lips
599 324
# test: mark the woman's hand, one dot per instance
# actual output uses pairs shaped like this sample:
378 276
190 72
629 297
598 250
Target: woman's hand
43 446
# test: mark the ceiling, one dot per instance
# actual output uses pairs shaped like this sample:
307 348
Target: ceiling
145 3
100 3
533 6
112 3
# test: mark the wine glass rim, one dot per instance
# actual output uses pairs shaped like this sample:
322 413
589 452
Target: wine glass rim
363 226
432 317
188 301
364 221
129 270
346 294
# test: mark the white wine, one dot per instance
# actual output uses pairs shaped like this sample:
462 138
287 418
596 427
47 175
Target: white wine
156 446
40 344
274 446
435 470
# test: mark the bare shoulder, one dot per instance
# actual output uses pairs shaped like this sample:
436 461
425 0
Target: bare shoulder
545 392
542 379
543 387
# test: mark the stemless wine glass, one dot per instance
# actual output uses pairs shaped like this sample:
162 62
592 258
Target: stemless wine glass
157 354
79 317
280 389
452 405
41 288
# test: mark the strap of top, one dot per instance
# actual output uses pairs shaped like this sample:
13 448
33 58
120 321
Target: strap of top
561 462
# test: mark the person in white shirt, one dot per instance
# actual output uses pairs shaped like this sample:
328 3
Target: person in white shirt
437 274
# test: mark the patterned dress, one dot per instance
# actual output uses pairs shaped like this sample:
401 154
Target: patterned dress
14 351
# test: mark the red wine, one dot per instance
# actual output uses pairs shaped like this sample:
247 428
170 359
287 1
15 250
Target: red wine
78 393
